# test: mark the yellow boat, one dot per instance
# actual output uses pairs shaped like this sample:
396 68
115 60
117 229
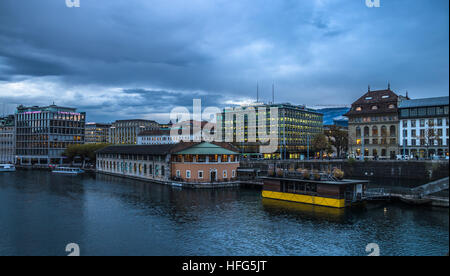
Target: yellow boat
329 193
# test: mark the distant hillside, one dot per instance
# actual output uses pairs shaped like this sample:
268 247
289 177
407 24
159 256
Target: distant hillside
330 113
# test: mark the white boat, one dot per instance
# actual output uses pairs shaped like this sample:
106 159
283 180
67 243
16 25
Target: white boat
7 168
67 170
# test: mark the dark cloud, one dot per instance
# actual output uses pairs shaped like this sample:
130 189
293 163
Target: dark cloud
142 56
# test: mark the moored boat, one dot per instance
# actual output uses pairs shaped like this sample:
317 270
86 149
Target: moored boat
328 192
7 168
67 170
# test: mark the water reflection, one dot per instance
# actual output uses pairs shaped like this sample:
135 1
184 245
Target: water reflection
277 207
41 212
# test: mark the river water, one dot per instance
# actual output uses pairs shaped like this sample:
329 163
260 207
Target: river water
41 213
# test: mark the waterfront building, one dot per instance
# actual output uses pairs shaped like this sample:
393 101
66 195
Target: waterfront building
373 125
7 139
44 133
97 133
295 126
424 127
183 162
126 131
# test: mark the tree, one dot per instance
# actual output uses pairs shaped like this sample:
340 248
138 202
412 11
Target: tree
320 143
338 138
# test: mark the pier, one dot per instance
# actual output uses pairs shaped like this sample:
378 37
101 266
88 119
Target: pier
422 195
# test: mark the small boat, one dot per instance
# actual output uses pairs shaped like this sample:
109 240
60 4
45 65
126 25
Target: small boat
175 184
7 168
67 170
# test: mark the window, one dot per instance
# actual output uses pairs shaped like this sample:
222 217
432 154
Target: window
374 131
392 131
233 173
225 174
188 174
422 123
359 108
413 142
366 131
358 132
405 133
413 123
200 174
405 123
413 133
178 173
422 111
431 122
404 113
439 122
374 107
391 106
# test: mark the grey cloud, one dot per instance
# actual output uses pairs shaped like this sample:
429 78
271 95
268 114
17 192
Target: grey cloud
314 51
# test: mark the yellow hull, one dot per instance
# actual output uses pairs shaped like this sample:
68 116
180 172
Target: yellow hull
315 200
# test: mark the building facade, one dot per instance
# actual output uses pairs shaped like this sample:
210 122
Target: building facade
373 125
180 132
424 127
126 131
97 133
7 140
44 133
184 162
295 127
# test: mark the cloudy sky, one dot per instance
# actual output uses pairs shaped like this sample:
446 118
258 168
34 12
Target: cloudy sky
140 58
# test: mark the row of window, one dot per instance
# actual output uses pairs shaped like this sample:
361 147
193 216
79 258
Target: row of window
383 131
422 122
200 175
425 133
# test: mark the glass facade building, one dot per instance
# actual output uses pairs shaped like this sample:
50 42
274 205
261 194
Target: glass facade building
97 133
44 133
295 126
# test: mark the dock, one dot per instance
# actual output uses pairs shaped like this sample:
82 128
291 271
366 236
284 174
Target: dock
422 195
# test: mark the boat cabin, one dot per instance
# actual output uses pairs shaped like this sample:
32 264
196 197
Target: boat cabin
331 193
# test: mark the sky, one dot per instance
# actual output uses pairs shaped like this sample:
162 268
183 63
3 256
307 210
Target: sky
126 59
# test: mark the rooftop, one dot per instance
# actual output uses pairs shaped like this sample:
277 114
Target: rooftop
180 148
436 101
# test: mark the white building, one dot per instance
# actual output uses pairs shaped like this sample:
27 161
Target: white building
7 140
424 127
181 132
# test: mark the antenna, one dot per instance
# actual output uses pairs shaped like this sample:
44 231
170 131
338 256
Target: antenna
273 93
257 92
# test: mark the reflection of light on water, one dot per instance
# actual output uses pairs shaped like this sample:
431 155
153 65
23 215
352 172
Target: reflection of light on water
305 209
385 210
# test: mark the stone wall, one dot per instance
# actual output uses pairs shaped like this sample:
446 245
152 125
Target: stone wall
416 170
